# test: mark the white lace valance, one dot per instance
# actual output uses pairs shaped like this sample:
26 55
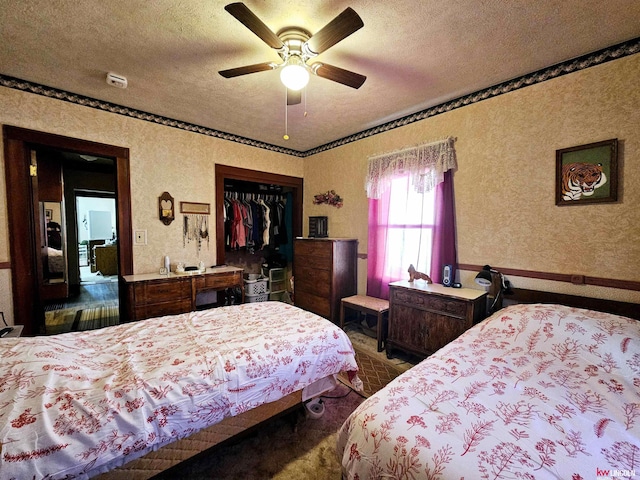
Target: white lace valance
425 164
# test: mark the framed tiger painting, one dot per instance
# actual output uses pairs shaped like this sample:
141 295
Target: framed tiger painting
587 173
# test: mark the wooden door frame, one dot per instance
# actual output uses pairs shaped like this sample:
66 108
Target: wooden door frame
18 142
223 172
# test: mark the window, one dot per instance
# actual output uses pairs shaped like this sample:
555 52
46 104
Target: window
409 229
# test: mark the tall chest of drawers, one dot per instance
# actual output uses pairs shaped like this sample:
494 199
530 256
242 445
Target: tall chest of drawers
425 317
324 271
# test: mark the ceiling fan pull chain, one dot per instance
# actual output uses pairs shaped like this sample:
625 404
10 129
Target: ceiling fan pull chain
286 117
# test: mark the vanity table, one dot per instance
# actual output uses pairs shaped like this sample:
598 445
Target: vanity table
154 295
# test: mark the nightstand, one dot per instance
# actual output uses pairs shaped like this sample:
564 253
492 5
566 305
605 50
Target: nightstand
16 332
425 317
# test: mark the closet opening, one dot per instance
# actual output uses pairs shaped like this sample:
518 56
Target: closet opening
258 215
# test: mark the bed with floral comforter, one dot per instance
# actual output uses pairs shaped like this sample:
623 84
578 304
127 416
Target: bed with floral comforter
77 404
533 392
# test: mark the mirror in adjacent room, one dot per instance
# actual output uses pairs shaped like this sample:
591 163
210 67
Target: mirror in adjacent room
54 265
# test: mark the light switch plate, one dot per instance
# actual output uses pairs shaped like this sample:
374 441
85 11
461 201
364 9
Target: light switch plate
140 237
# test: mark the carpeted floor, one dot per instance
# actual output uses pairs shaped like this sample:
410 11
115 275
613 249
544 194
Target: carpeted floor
290 447
375 369
296 446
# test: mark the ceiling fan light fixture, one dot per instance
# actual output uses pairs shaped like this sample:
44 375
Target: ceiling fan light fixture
294 74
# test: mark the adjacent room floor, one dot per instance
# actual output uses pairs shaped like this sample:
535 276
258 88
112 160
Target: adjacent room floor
95 306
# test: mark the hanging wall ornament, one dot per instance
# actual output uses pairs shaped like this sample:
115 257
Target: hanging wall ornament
165 208
330 198
195 229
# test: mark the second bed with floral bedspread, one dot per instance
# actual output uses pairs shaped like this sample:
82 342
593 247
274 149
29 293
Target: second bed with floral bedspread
534 392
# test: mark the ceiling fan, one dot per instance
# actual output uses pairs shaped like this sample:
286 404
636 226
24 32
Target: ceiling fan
296 46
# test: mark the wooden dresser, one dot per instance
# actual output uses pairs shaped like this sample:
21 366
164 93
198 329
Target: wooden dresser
324 271
154 295
105 259
425 317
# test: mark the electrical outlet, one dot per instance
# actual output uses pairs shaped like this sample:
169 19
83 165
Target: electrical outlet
140 237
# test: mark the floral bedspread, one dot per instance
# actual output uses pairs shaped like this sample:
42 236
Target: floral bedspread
533 392
72 403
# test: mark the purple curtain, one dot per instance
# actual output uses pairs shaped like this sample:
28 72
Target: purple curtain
444 234
444 239
377 284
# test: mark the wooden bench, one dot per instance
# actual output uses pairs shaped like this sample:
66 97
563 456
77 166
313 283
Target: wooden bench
367 305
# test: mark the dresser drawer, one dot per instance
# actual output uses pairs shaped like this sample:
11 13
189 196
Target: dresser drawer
309 279
446 305
314 303
314 248
312 263
162 291
162 309
221 280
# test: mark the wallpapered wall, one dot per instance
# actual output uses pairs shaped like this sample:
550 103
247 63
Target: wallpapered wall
506 213
161 158
505 183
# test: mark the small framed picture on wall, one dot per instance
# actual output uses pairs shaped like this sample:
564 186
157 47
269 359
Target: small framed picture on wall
587 173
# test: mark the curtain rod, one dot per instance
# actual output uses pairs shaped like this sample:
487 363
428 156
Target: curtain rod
406 149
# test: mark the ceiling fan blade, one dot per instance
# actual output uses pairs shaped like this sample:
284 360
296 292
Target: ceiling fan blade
337 74
294 97
336 30
258 67
245 16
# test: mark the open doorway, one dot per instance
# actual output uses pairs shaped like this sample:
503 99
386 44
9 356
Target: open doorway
23 182
90 243
97 237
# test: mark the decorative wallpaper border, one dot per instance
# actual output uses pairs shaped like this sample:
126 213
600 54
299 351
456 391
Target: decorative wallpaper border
615 52
46 91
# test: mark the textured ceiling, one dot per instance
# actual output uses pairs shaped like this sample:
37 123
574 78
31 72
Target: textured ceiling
415 54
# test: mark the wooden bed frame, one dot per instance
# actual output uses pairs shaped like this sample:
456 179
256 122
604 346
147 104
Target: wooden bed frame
626 309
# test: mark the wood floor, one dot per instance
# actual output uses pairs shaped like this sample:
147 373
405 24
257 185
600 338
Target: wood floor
95 293
95 306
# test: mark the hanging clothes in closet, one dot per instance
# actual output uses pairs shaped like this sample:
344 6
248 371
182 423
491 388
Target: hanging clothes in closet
255 221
